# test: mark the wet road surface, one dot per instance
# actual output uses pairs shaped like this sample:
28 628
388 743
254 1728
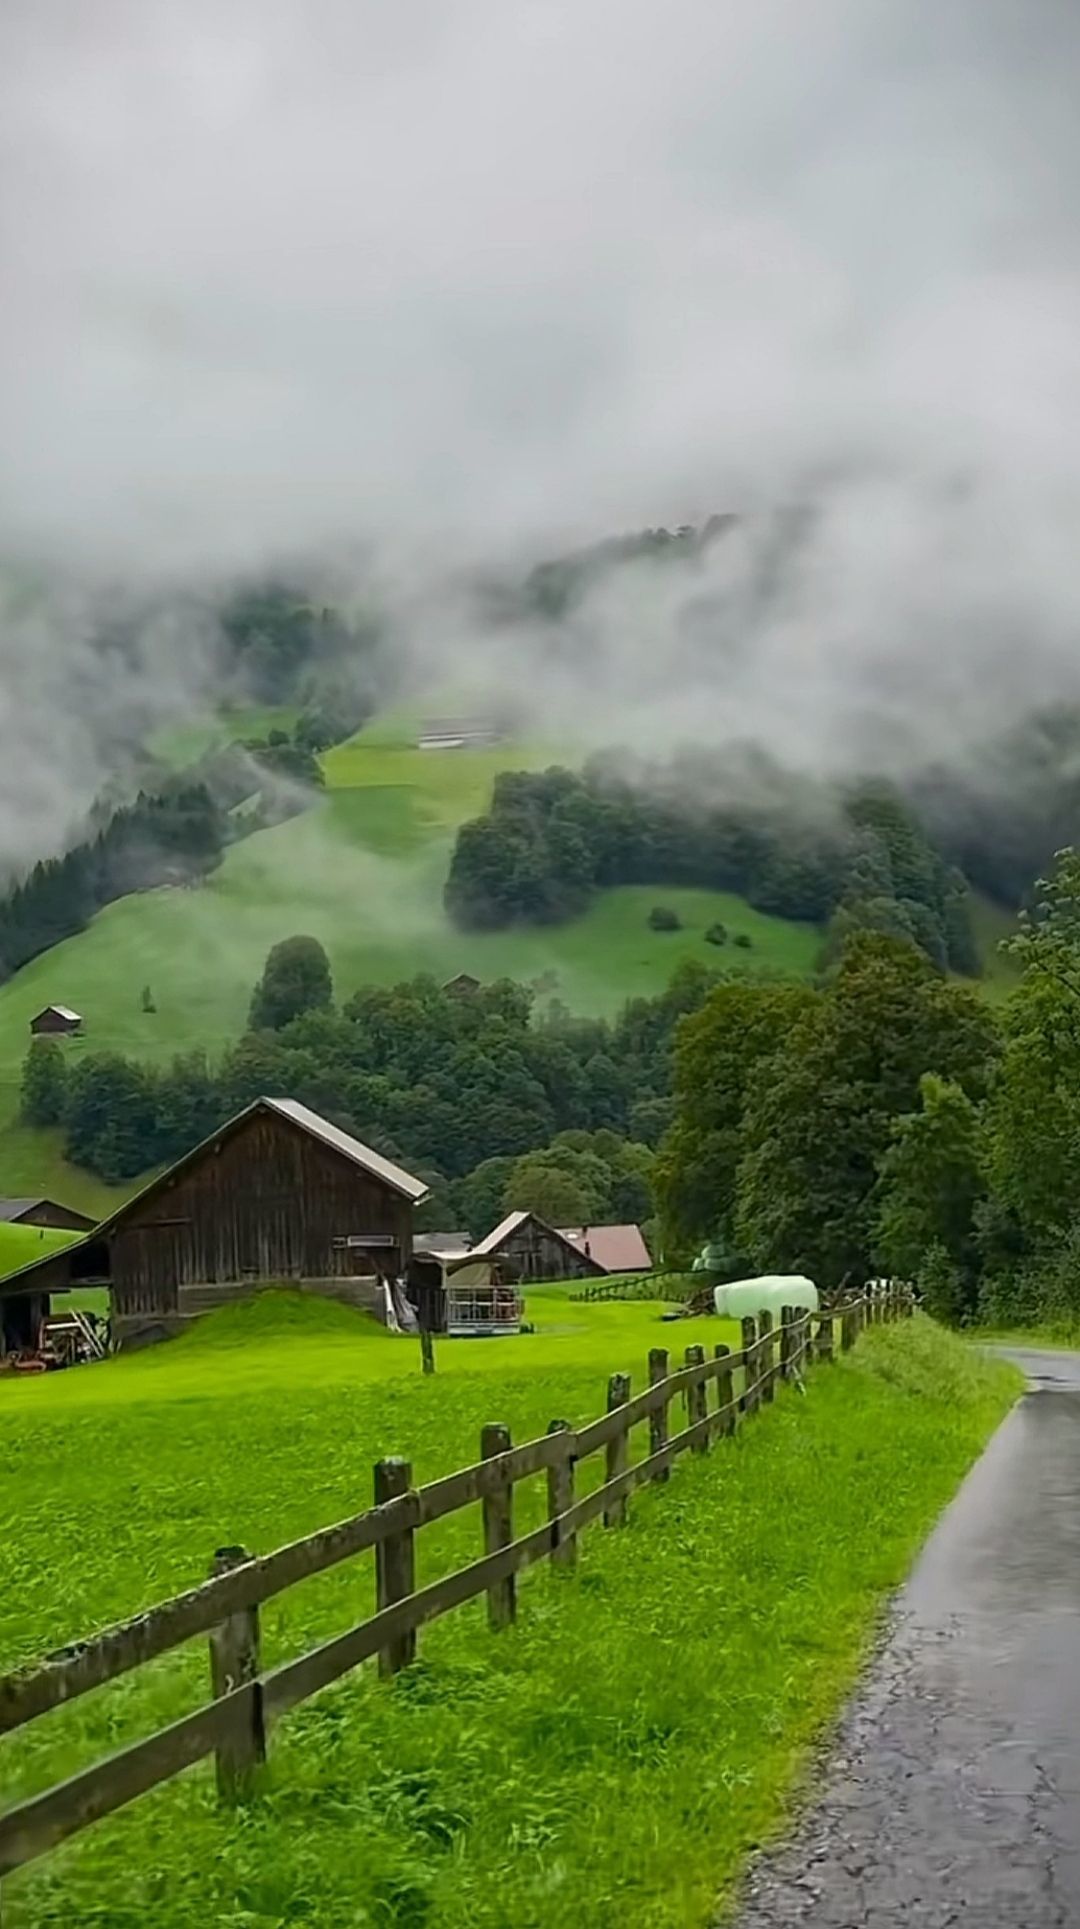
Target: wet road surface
952 1795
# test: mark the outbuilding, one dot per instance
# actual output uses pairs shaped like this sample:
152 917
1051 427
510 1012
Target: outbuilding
531 1249
57 1021
276 1195
44 1212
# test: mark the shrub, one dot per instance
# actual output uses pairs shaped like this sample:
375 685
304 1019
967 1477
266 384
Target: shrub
743 940
716 934
663 918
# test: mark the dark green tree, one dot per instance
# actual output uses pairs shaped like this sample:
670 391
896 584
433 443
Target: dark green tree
44 1083
296 979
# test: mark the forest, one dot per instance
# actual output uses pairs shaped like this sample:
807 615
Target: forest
848 859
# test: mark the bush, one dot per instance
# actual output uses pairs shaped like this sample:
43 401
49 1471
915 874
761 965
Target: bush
663 918
716 934
743 940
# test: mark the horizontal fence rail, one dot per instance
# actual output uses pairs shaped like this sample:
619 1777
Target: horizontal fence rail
233 1726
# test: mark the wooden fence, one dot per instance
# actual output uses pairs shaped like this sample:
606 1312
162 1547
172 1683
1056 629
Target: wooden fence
247 1699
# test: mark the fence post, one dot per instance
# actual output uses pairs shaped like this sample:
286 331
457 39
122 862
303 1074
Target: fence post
697 1397
847 1329
825 1337
395 1563
767 1386
427 1351
498 1510
560 1489
234 1660
658 1418
750 1370
787 1340
726 1415
618 1448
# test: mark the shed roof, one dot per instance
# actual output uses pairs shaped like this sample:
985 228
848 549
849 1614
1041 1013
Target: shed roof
12 1209
508 1226
62 1011
618 1249
502 1231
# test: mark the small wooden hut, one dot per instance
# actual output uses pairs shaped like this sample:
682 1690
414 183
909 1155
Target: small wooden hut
528 1248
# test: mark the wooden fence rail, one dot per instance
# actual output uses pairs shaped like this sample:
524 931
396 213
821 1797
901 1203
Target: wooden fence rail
234 1726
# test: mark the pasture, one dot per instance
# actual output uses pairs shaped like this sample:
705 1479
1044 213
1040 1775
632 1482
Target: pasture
362 870
609 1759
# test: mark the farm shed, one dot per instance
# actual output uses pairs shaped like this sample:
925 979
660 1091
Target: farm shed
618 1249
56 1021
278 1194
44 1212
463 986
531 1249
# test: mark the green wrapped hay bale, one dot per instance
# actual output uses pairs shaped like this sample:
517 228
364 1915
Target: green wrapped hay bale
769 1293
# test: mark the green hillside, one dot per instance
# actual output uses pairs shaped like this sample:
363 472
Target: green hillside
362 870
20 1245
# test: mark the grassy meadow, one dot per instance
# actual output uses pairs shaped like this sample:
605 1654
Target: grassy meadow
362 870
610 1760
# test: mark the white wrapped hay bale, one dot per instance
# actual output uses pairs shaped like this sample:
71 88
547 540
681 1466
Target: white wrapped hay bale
768 1293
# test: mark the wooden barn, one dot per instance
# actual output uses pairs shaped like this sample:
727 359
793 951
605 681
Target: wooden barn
44 1212
56 1021
277 1195
528 1248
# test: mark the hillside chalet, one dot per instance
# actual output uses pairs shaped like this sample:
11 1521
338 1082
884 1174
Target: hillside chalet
56 1021
528 1248
277 1195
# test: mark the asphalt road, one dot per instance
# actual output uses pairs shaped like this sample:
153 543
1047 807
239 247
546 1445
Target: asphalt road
952 1796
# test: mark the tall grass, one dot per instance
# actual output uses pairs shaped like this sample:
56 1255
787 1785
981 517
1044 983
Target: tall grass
609 1760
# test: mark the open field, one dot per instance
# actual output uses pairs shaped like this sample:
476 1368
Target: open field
363 871
20 1245
609 1759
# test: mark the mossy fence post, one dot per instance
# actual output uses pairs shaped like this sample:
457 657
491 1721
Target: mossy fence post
560 1487
234 1661
659 1368
750 1366
498 1511
618 1449
725 1395
395 1563
787 1335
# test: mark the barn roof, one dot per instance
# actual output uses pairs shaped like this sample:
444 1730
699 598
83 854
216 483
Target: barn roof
362 1155
62 1011
618 1249
510 1224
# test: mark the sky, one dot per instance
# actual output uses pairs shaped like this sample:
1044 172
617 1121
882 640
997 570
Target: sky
445 284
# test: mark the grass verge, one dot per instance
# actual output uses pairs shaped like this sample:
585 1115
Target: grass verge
610 1760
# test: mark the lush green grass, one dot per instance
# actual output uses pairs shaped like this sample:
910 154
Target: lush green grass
180 744
992 924
609 1760
362 870
21 1244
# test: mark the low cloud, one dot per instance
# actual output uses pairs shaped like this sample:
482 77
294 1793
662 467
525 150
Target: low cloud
418 291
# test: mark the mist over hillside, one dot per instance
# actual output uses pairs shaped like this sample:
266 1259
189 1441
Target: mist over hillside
417 304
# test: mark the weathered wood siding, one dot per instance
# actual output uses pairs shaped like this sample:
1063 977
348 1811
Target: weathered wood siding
532 1251
266 1203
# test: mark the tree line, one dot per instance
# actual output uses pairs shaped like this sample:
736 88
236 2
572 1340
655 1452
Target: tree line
888 1121
854 858
484 1098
